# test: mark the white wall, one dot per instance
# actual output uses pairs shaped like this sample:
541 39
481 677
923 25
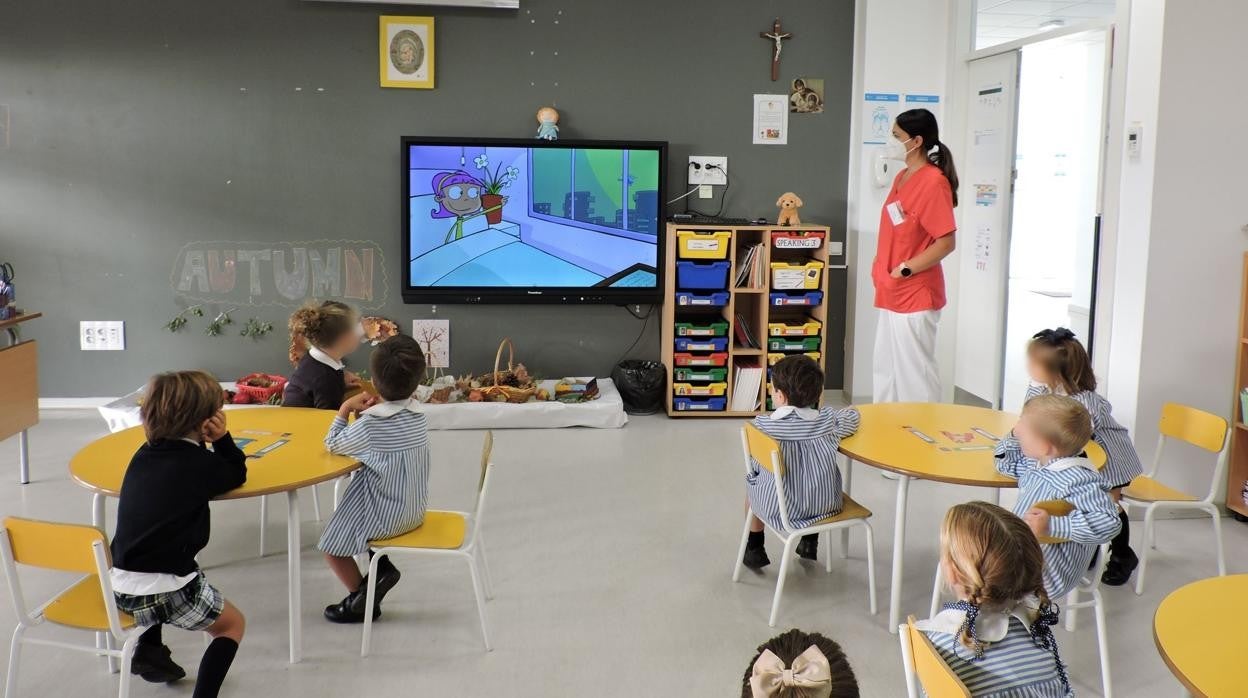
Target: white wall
1191 298
900 46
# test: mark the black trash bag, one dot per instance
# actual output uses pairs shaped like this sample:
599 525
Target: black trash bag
641 385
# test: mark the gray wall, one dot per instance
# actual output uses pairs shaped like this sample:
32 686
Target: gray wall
131 135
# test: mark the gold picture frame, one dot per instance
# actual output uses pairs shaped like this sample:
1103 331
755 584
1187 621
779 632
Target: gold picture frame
405 45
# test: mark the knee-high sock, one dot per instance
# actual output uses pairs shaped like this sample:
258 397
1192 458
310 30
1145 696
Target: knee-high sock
152 636
214 666
1121 544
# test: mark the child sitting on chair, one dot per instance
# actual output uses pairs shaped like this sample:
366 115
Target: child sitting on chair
997 636
1057 363
798 664
163 522
387 496
1043 454
809 437
320 337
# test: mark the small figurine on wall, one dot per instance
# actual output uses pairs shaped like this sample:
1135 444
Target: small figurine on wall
548 124
789 203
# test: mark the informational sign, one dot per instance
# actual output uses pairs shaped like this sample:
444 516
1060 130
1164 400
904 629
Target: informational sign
879 110
930 102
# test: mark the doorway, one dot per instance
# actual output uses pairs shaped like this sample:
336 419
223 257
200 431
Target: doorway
1053 234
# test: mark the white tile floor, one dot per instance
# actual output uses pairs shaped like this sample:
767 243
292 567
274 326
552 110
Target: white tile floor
611 553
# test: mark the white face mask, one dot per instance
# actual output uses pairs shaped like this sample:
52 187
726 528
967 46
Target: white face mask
896 150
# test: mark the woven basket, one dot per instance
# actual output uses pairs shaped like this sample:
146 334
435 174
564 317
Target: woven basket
260 394
512 394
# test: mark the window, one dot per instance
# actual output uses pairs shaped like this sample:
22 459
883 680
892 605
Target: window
1001 21
609 191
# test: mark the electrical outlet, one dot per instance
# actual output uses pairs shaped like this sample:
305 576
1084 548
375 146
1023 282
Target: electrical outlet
102 335
708 169
704 191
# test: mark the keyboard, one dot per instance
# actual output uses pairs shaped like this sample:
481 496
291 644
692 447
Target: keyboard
695 219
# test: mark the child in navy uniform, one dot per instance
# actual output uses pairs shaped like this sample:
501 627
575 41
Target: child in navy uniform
320 337
997 637
1043 455
808 436
163 522
1058 363
388 496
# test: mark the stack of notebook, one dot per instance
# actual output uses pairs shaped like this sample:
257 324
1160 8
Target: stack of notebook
747 385
750 268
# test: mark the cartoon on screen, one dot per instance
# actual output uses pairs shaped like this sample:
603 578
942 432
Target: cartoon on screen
538 217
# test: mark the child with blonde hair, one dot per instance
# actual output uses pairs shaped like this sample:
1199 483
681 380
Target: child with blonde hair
320 337
797 664
1057 363
997 637
808 436
1044 455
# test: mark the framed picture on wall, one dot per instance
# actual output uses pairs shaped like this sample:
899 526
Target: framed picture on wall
406 47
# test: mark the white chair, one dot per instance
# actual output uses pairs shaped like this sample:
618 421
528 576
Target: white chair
87 605
1089 585
443 534
1198 428
766 452
925 667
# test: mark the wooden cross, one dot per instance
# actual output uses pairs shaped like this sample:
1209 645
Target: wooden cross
777 36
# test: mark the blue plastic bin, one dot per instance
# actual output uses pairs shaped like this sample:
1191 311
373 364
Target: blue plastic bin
702 276
706 300
699 404
701 344
787 299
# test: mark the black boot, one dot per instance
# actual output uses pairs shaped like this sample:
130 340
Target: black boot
152 661
755 556
808 547
351 608
1122 559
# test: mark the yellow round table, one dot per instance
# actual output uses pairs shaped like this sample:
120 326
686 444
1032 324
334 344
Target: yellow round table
1199 635
285 453
926 441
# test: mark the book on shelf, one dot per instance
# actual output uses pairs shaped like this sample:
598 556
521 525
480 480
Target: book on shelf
750 267
745 337
747 381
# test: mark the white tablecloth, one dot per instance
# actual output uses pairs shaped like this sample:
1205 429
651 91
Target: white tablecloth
607 412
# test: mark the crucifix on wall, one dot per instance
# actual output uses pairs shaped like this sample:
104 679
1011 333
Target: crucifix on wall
777 36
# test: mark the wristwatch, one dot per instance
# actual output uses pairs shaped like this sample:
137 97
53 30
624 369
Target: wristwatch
905 270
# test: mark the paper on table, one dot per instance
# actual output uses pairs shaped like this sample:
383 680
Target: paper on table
771 119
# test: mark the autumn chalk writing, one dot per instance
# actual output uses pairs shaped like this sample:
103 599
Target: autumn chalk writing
281 273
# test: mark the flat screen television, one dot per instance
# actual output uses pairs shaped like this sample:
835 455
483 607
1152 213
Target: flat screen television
523 220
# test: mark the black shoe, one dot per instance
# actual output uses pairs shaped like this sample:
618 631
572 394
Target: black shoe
387 576
808 547
1119 568
351 608
755 558
154 663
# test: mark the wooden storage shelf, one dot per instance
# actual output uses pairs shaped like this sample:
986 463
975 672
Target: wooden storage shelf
1237 473
752 302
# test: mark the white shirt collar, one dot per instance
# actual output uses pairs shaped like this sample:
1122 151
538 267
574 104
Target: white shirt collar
194 442
326 359
390 408
1059 464
990 626
806 413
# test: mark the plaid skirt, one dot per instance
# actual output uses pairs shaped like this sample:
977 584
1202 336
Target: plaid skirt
193 607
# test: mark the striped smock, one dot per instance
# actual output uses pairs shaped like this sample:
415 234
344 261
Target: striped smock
808 441
1122 464
388 496
1014 664
1093 522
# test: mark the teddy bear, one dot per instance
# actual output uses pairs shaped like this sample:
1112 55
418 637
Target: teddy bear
789 203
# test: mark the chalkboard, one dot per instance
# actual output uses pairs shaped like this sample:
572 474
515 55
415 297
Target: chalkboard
148 144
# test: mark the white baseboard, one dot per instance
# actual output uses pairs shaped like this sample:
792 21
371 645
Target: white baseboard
73 403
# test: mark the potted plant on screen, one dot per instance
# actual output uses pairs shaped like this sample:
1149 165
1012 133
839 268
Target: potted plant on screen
495 182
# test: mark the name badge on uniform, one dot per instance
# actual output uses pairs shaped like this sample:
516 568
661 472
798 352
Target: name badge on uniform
895 213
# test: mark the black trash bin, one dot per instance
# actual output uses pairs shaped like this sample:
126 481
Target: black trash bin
641 385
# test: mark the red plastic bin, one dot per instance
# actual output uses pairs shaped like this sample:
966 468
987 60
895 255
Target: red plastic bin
719 358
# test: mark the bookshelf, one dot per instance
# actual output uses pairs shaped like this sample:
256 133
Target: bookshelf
1238 470
751 303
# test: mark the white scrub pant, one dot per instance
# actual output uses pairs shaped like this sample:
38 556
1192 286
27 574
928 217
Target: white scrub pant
905 357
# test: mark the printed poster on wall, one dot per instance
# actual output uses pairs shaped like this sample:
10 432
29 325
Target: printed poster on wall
771 119
930 102
879 110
